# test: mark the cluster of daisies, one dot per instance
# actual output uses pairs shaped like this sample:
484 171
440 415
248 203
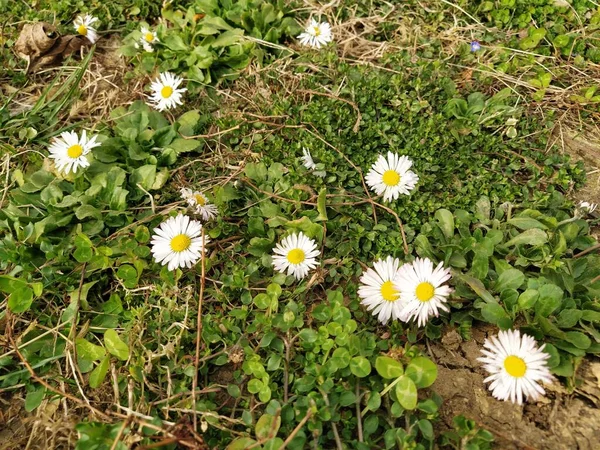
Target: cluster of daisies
414 291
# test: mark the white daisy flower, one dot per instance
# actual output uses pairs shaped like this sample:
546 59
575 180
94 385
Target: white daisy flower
166 92
380 289
316 34
392 177
421 286
69 151
200 203
296 255
588 207
148 39
83 26
309 163
516 365
178 242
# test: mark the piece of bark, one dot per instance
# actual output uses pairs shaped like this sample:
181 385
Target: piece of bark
41 45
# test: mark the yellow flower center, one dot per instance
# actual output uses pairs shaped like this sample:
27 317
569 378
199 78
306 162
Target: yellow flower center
199 200
515 366
389 292
75 151
149 37
425 291
166 91
180 243
317 31
82 29
296 256
391 177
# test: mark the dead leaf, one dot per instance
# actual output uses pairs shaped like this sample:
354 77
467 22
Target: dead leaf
41 45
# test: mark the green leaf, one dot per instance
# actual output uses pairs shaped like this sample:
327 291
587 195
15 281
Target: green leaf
578 339
174 42
267 426
33 399
115 345
509 279
181 145
526 223
144 176
549 300
321 206
494 313
374 401
422 371
388 367
360 366
20 300
569 317
228 38
87 350
99 373
528 298
85 211
446 222
406 392
426 429
255 386
241 444
533 237
477 287
187 123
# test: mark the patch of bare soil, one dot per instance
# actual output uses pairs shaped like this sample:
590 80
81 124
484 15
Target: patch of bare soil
102 88
584 145
560 421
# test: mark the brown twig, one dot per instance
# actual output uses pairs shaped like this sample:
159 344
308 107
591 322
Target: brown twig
587 250
297 429
199 331
40 380
120 433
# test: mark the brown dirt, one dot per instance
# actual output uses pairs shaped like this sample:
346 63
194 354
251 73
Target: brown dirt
559 421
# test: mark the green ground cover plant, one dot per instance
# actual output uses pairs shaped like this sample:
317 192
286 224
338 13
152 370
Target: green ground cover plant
229 353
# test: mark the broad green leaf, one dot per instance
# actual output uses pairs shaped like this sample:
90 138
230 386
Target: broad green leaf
426 428
422 371
181 145
578 339
526 223
549 300
509 279
406 392
187 123
33 399
228 38
533 236
115 345
87 350
20 300
360 366
528 298
255 386
99 373
494 313
321 205
569 317
477 287
241 444
174 42
267 426
374 401
388 367
144 176
446 222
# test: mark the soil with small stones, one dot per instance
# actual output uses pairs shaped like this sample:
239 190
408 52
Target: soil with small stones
561 420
